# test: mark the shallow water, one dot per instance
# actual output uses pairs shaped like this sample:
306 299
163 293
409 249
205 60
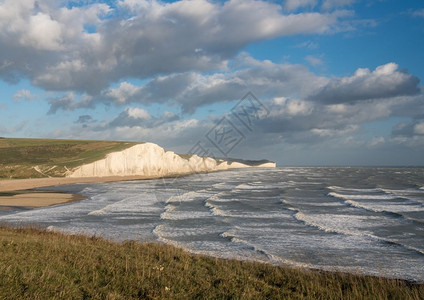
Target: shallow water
367 220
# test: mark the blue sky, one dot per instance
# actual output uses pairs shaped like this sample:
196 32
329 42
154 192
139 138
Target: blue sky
341 79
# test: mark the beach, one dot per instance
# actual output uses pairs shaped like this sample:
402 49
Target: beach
19 192
37 199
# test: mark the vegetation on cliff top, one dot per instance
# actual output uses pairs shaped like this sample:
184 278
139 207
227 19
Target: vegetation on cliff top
38 158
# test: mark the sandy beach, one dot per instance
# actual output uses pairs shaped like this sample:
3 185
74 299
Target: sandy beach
34 200
25 184
15 191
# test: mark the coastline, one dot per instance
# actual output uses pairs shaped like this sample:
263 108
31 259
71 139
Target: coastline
35 199
11 185
20 193
23 186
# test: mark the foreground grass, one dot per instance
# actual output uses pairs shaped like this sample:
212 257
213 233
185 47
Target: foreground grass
35 264
35 158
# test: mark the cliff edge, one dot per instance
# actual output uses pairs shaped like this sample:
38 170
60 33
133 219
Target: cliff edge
149 159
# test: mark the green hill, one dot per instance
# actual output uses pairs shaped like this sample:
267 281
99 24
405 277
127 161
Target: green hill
37 158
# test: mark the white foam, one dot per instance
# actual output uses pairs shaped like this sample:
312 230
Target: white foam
404 191
245 186
338 188
169 231
169 208
338 224
175 214
358 197
136 204
216 211
396 208
188 196
312 222
259 249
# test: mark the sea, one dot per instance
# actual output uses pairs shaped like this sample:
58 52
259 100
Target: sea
361 220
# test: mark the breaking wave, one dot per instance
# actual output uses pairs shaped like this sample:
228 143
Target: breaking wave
365 197
301 217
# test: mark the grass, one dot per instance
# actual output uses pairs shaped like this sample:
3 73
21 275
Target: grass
35 264
18 157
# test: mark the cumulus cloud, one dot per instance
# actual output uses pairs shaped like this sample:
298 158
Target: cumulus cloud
52 45
384 82
191 90
297 121
408 128
139 117
134 123
23 95
68 102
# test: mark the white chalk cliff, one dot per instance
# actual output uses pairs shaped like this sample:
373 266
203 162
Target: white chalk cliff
149 159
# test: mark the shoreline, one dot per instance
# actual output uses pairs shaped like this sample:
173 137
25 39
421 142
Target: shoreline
11 185
23 186
21 193
30 199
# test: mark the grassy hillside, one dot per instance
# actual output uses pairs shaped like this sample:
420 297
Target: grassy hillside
36 264
36 158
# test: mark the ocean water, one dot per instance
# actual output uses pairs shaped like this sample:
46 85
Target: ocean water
361 220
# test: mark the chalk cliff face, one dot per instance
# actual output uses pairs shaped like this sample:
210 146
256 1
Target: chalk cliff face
149 159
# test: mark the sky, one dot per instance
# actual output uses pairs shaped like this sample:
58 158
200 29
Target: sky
306 82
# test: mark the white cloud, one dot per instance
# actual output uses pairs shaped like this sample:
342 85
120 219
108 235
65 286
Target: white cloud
43 33
384 82
69 102
314 61
192 90
419 128
334 132
330 4
23 94
291 107
376 141
50 44
295 4
138 113
123 92
308 44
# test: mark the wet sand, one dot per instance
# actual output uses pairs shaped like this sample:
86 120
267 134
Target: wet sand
36 199
17 192
25 184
